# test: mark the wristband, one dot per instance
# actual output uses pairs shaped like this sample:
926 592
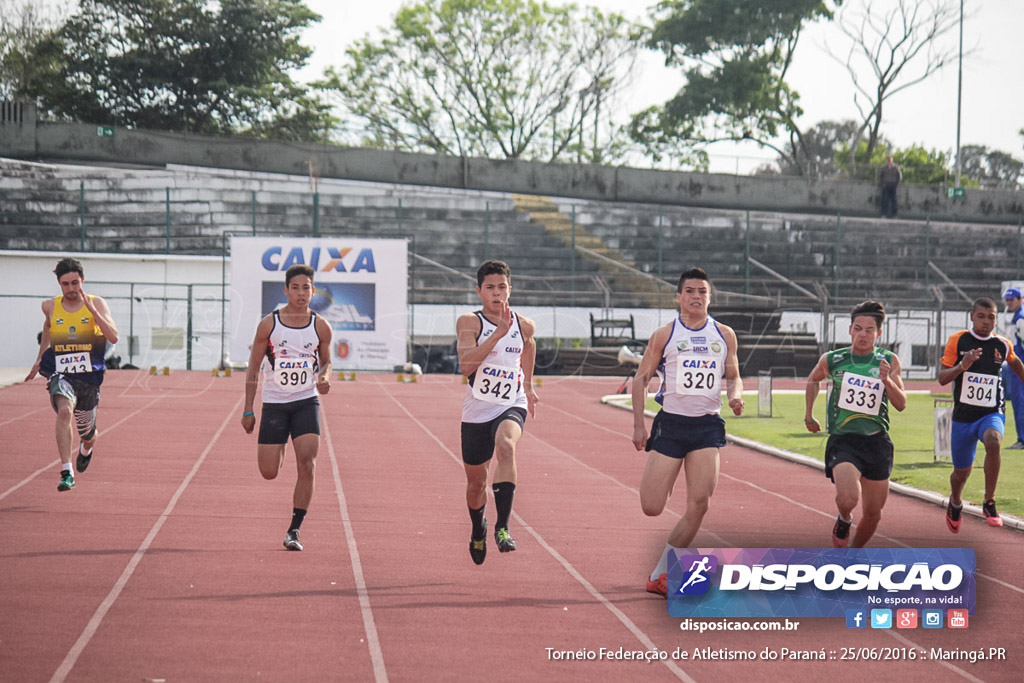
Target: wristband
249 414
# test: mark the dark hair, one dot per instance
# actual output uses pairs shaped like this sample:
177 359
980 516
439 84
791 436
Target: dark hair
68 265
692 274
983 302
297 269
869 308
492 267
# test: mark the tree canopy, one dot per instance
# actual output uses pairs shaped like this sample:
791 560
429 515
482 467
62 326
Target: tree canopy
496 78
187 65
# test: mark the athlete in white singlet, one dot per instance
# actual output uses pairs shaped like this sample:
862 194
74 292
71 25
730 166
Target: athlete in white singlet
293 349
695 356
497 353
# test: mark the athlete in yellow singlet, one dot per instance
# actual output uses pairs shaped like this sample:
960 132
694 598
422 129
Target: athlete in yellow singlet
71 351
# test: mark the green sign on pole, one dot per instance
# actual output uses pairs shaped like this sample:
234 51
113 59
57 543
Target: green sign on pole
104 131
955 192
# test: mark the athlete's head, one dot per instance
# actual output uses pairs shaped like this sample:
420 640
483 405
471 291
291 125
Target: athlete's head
1012 298
693 292
866 320
70 276
492 267
983 316
298 286
297 269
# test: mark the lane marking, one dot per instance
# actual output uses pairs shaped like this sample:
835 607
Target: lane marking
619 614
57 461
97 618
372 640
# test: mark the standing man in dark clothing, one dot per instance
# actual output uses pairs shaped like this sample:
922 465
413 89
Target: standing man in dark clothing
889 177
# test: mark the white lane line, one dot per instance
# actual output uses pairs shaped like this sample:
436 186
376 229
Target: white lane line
619 614
57 461
372 640
15 419
94 623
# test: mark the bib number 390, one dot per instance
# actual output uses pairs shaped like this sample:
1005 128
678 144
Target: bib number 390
294 376
496 384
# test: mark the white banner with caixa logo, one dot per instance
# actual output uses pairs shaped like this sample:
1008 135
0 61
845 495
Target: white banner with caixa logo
361 290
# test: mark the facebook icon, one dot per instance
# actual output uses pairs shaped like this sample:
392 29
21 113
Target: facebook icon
856 618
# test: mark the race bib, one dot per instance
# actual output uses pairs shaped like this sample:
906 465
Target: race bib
294 374
496 384
860 394
697 375
73 363
979 389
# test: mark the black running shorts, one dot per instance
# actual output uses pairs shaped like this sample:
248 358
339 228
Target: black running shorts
281 420
478 437
676 435
870 454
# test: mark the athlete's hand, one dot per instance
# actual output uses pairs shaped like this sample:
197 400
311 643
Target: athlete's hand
504 321
532 399
87 300
323 383
812 426
248 423
968 360
883 369
32 372
737 405
640 437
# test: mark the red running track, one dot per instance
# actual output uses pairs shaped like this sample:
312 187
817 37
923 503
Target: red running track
165 562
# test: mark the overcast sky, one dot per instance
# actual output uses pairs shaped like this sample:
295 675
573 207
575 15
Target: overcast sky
993 87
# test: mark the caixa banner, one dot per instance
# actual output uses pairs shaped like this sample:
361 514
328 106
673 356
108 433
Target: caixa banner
816 582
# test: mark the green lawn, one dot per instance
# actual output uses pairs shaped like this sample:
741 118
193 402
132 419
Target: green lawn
912 434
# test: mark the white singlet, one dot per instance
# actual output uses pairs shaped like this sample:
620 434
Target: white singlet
692 369
292 362
497 384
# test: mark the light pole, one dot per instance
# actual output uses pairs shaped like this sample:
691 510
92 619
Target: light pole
959 91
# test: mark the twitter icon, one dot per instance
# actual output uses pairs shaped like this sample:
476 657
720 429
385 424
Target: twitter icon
881 618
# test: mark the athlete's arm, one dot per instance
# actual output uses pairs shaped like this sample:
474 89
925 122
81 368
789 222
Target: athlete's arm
529 361
44 341
467 328
644 373
101 314
733 381
252 373
323 379
951 368
811 391
891 378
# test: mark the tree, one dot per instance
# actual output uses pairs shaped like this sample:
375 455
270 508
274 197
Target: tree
23 25
898 46
816 157
920 166
494 78
736 55
990 168
187 65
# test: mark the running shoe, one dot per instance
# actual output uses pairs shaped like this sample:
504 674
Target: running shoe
291 540
506 543
953 517
478 546
1015 446
659 587
67 481
991 516
82 461
841 533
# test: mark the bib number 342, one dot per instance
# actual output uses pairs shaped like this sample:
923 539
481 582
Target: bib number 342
496 384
